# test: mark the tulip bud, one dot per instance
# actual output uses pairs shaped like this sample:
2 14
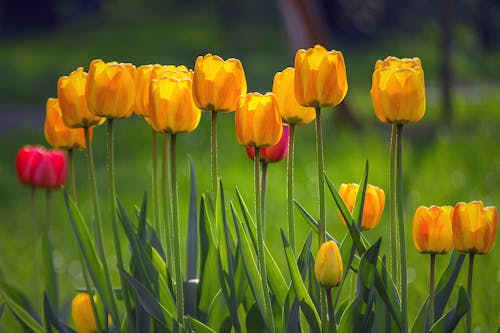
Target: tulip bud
373 205
58 135
258 121
432 232
111 89
41 168
83 315
320 77
474 227
284 90
328 267
398 90
274 153
218 83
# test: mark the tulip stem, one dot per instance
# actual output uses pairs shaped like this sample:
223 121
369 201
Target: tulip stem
47 259
113 217
36 255
393 220
401 228
291 223
156 189
260 242
213 152
86 279
71 174
431 291
321 190
263 189
176 234
469 292
98 225
166 231
332 324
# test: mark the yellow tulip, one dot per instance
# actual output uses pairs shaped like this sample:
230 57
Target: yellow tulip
172 109
258 121
291 111
320 77
111 89
83 316
398 90
432 231
328 267
59 135
474 227
373 205
218 83
71 92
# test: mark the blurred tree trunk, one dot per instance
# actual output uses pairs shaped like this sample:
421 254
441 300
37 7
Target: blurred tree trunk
446 23
305 25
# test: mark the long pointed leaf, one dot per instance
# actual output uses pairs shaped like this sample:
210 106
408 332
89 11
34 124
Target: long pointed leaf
192 236
450 320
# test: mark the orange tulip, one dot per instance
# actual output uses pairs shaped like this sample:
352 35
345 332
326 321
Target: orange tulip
73 101
111 89
59 135
83 316
172 109
291 111
328 267
474 227
432 231
218 83
258 121
320 77
398 90
373 205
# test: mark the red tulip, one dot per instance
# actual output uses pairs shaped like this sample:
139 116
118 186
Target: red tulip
274 153
40 167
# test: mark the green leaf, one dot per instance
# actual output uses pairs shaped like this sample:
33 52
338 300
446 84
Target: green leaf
218 315
312 222
51 318
254 321
305 301
450 320
19 305
192 234
2 308
197 326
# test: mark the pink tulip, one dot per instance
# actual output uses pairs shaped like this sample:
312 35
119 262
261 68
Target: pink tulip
274 153
40 167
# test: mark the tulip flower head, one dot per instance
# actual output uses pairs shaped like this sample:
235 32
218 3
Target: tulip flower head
284 90
59 135
41 168
274 153
432 231
398 90
218 83
373 205
328 267
111 89
320 77
474 227
258 121
71 92
82 314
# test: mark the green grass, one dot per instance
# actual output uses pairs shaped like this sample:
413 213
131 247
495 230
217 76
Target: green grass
440 166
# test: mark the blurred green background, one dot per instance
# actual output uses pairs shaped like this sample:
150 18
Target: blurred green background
451 155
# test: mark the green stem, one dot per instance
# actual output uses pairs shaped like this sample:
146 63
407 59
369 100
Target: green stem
290 174
50 278
88 287
321 190
263 189
401 228
113 217
98 232
431 291
166 230
393 220
36 251
469 292
156 188
332 324
71 174
176 233
260 242
213 152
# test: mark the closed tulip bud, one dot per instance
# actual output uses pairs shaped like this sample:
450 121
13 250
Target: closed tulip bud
373 205
218 83
432 231
71 92
41 168
172 109
474 227
398 90
83 315
284 90
258 121
320 77
58 135
111 89
328 267
274 153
